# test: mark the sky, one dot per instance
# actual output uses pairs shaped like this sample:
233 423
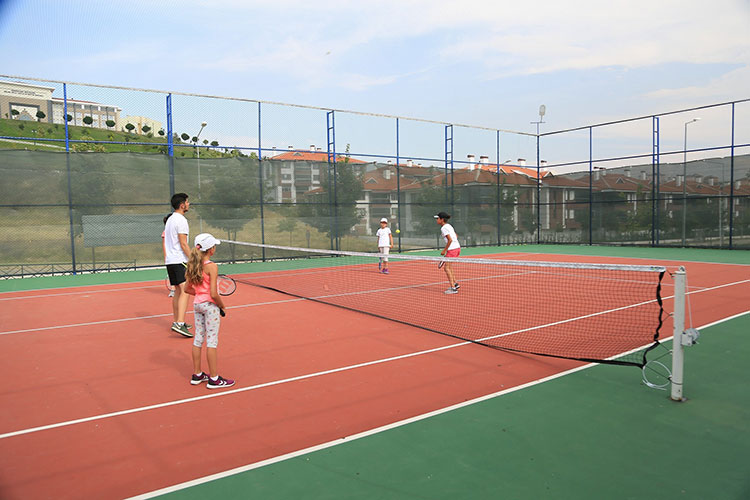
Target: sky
484 63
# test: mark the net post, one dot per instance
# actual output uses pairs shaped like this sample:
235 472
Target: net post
678 319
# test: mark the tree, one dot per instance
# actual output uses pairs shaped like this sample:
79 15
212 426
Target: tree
69 118
14 113
185 136
88 120
288 225
205 141
130 127
233 197
335 212
214 143
161 132
145 129
110 123
40 115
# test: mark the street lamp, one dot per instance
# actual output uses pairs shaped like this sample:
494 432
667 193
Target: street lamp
198 149
542 112
684 180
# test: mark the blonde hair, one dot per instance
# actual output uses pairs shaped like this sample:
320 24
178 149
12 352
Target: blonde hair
194 272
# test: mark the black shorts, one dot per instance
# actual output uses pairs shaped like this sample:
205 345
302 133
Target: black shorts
176 273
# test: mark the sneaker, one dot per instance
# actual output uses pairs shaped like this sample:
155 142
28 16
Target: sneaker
450 291
181 329
197 379
171 293
385 271
456 286
219 383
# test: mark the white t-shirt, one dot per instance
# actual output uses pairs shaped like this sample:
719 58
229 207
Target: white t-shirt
176 224
383 237
446 230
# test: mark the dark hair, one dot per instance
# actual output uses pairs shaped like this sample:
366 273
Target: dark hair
166 217
443 215
178 199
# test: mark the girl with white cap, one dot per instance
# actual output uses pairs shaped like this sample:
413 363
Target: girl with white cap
201 276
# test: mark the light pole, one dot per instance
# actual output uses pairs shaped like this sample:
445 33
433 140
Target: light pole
684 181
198 151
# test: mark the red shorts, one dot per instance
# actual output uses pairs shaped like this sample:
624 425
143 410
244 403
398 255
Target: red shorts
453 253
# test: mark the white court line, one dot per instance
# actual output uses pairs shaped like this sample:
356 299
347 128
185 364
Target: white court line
377 430
292 379
86 292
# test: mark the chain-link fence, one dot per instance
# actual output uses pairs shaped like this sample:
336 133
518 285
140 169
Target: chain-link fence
88 172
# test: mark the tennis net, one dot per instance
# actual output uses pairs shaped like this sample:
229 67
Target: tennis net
587 312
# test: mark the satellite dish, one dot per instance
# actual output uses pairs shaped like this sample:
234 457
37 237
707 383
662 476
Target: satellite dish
542 110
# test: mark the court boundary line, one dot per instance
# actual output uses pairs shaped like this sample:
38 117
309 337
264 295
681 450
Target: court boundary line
384 428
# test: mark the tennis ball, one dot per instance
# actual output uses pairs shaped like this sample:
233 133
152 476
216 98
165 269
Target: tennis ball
398 231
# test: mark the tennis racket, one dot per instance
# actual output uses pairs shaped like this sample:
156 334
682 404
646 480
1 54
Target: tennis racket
225 285
441 264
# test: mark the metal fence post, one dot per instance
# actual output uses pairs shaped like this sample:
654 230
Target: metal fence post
262 186
70 186
398 188
170 145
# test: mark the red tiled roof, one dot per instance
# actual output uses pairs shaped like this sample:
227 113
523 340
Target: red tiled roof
319 156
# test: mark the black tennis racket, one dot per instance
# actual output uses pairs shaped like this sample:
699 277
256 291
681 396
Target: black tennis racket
441 264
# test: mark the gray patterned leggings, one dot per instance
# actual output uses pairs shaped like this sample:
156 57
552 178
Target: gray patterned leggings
207 321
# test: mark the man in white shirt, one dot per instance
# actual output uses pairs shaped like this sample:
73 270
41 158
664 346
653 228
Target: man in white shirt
176 253
452 248
385 243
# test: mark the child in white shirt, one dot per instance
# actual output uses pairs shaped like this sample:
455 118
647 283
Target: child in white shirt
385 243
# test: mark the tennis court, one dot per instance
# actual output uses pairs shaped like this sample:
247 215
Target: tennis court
98 403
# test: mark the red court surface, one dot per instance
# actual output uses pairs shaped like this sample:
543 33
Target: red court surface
105 354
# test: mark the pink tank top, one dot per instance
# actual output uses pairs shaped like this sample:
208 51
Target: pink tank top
203 290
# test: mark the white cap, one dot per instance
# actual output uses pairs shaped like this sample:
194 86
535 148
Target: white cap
206 241
384 220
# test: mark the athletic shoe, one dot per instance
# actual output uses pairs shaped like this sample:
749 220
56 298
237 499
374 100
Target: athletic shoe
197 379
188 326
171 293
385 271
456 286
451 291
219 383
181 329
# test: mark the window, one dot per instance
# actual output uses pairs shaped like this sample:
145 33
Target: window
571 214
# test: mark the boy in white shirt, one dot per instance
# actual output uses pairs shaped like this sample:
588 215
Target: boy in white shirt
385 243
452 248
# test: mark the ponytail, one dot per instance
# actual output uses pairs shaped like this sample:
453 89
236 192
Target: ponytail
194 272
